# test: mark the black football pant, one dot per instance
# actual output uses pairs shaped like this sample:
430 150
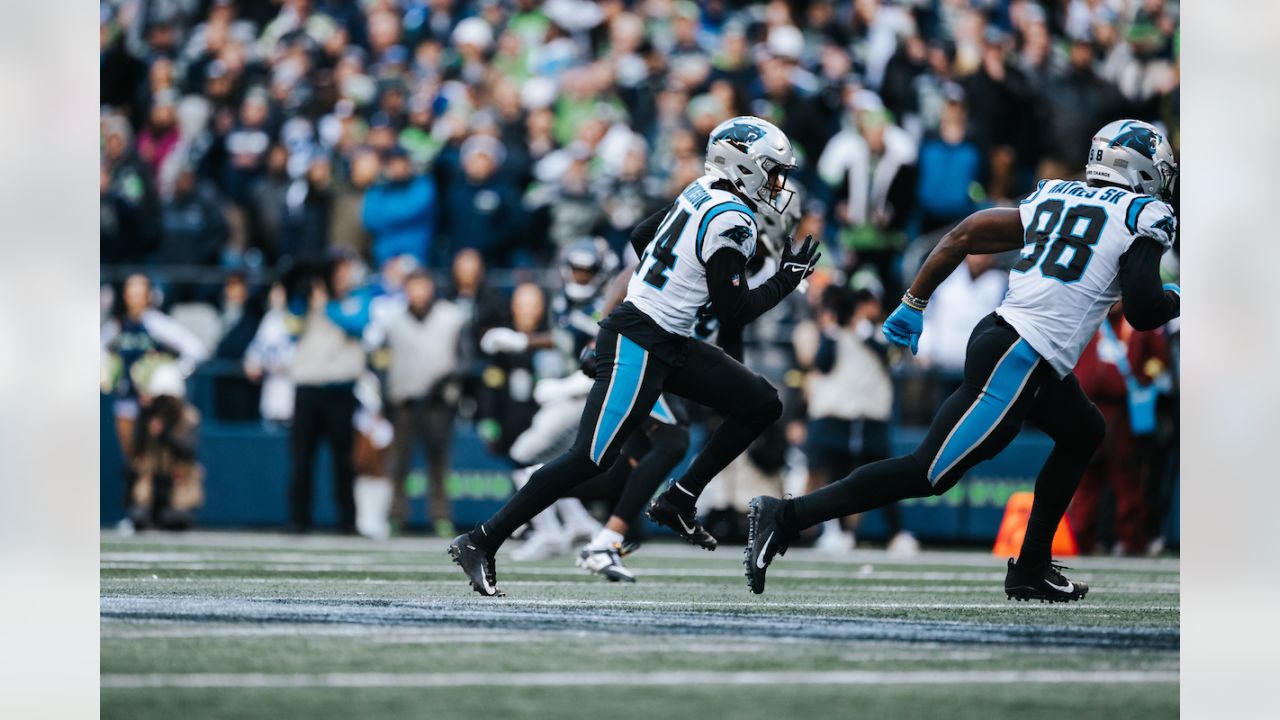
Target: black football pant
629 380
1005 383
647 459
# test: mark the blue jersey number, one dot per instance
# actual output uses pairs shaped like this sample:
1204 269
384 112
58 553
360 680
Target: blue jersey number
1052 237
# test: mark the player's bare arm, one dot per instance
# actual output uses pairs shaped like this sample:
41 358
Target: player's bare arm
983 233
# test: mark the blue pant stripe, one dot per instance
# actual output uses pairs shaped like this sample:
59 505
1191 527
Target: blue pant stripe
662 413
628 370
1003 387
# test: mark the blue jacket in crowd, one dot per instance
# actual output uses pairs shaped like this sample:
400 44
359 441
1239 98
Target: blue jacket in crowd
401 217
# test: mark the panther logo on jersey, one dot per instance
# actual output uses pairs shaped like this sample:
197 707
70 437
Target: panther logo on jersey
738 234
1140 139
1165 223
741 135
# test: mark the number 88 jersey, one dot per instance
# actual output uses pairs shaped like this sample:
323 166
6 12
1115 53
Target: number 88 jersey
1069 272
670 284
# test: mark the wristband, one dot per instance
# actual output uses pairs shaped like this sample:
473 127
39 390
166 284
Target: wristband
914 302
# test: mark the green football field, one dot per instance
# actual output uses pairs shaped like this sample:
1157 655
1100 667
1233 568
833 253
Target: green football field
236 625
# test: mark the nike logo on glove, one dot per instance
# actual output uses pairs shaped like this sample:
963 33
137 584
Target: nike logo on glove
763 549
795 267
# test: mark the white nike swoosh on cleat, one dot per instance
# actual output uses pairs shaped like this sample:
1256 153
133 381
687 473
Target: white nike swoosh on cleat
1070 587
686 527
763 548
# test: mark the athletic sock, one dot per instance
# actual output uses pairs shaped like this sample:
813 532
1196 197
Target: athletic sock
869 487
605 538
1055 486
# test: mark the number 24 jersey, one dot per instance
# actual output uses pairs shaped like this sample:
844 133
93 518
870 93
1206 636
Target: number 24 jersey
1069 272
670 284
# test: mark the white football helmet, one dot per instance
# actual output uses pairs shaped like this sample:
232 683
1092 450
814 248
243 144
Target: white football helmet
1133 154
755 156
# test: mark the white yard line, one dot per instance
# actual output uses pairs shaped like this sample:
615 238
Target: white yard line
745 603
646 578
508 570
201 541
559 679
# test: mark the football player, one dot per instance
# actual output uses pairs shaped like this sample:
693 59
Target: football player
698 253
1084 245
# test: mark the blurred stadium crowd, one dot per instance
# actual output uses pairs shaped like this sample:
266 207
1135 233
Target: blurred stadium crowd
283 182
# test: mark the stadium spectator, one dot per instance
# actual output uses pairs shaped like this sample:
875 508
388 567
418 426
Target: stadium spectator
327 361
166 483
399 211
511 368
849 397
239 314
130 218
347 230
965 297
265 207
423 341
308 203
481 209
949 170
194 228
269 359
869 169
1118 371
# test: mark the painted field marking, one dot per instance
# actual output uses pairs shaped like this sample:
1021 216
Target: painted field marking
555 679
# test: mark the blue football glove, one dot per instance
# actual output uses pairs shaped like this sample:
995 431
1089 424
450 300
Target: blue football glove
1173 287
903 327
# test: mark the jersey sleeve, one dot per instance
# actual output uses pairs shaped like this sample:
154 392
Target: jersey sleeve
728 225
1148 217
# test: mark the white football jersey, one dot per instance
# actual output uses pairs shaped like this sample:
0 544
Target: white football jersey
1069 274
670 284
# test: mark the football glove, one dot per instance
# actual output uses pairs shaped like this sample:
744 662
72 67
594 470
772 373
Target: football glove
797 263
903 327
503 340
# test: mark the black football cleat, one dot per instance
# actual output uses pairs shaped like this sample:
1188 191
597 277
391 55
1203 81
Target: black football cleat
1046 584
683 521
479 565
765 539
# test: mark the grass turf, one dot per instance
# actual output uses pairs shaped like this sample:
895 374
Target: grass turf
212 625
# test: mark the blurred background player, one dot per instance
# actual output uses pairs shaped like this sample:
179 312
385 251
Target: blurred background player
585 267
1084 246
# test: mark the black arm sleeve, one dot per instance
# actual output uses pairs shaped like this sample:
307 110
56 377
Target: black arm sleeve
735 304
644 232
1147 305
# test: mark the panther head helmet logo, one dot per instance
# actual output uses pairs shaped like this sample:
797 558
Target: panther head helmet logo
741 134
1138 138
